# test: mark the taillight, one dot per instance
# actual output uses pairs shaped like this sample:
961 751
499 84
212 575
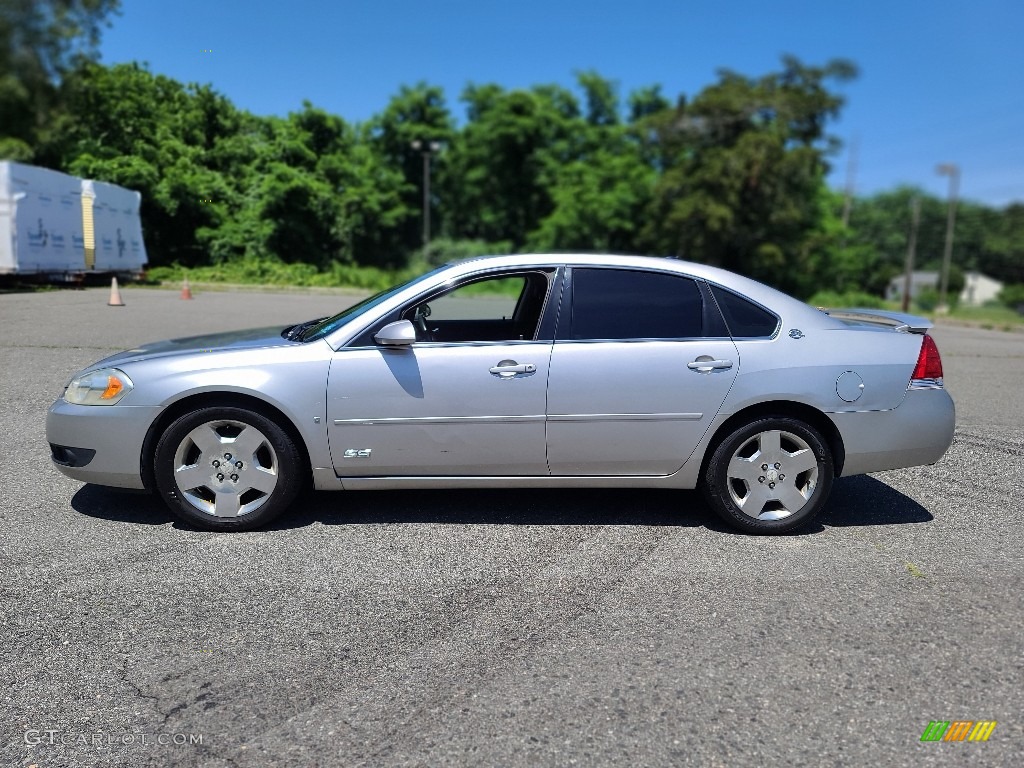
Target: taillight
928 371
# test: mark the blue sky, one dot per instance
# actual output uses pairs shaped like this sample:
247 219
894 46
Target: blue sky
940 81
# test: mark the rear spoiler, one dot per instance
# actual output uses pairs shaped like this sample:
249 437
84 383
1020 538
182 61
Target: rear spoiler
895 320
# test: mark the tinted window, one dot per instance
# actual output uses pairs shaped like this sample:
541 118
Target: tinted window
745 319
619 304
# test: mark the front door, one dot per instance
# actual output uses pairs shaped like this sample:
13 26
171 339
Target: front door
467 398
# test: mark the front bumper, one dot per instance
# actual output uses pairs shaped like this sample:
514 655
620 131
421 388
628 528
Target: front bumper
917 432
114 432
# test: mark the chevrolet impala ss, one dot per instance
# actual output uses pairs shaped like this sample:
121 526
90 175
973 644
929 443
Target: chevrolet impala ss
520 371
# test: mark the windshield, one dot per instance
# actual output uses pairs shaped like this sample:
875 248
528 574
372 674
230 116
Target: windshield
330 324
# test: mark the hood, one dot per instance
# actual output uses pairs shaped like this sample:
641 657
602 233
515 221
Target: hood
252 338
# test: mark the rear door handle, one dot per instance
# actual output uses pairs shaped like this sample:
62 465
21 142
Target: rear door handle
706 364
506 369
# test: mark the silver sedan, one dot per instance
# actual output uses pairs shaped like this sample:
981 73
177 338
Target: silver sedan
520 371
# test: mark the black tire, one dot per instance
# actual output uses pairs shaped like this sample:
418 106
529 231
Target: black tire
749 492
227 469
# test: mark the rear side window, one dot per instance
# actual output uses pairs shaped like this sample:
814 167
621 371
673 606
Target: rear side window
622 304
744 318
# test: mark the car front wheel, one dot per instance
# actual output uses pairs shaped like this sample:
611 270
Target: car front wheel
227 469
769 476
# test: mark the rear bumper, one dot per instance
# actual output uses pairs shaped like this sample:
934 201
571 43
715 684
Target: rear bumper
112 434
917 432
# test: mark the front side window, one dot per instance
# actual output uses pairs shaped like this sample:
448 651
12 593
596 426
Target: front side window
329 325
496 308
483 300
626 304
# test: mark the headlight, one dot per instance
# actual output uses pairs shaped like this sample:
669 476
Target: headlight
103 387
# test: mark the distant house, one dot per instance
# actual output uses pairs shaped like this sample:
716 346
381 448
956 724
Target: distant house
978 288
919 281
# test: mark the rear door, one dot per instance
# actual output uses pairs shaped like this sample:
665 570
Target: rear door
640 367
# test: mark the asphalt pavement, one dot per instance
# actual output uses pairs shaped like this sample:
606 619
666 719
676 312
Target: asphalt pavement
500 628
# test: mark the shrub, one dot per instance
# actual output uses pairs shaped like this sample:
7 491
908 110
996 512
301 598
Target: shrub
846 300
1013 296
277 273
927 299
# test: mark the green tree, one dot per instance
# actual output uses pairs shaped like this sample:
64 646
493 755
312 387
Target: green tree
597 203
494 182
415 114
839 263
369 214
1013 296
1004 251
745 161
147 132
308 189
984 238
876 240
220 184
40 42
602 98
645 102
597 177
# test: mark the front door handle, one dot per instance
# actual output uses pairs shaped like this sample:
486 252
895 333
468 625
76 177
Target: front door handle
706 364
506 369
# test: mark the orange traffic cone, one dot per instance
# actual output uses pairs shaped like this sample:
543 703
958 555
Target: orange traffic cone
115 295
186 291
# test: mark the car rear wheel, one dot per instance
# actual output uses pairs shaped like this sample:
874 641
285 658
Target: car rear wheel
227 469
769 476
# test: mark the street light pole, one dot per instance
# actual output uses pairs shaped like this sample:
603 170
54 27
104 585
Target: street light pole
951 170
427 149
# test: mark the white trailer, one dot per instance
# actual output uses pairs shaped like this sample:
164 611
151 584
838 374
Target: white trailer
63 227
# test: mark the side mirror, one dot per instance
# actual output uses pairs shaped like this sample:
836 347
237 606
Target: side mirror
398 334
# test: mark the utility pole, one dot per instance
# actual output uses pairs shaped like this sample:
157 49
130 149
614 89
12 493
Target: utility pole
915 219
951 170
427 149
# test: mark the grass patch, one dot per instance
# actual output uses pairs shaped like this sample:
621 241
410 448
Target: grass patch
275 273
991 317
15 286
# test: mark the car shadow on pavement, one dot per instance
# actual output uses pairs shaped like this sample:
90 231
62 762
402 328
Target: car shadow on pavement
121 505
529 506
855 501
859 500
865 500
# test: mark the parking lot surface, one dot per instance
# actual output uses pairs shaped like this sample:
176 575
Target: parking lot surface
513 628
